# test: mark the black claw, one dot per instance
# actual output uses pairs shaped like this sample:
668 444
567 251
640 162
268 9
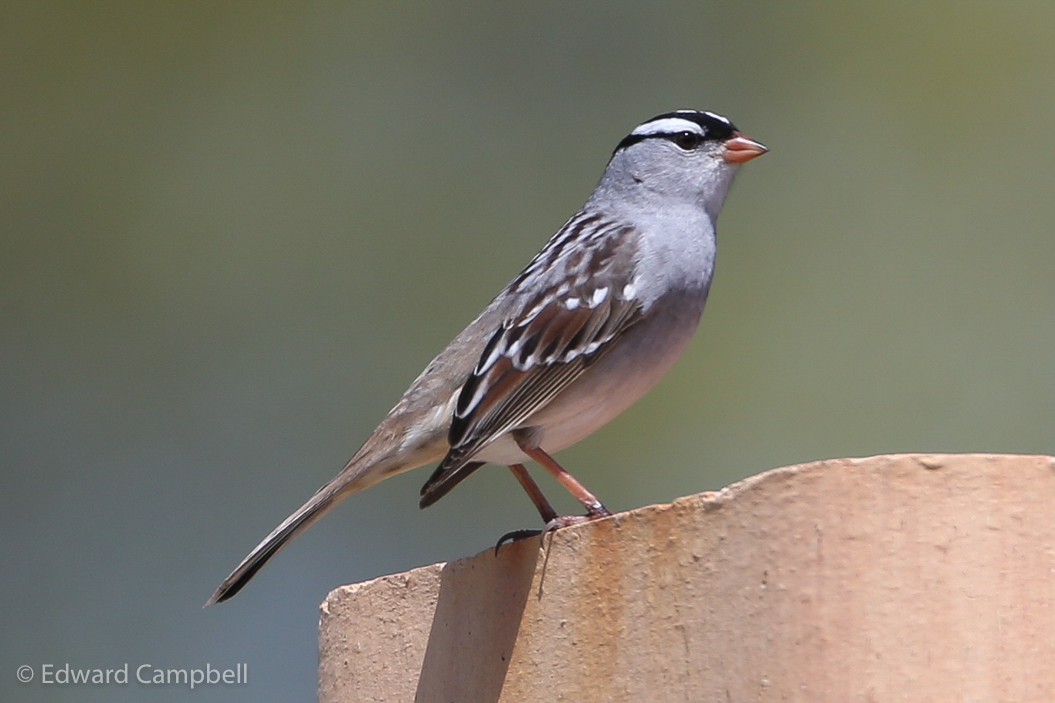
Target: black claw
515 536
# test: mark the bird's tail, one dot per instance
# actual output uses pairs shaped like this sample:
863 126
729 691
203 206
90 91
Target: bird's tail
346 483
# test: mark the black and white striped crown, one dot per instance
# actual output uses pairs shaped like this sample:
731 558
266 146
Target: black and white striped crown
706 125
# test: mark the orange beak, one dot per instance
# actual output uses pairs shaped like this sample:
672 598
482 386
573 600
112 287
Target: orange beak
739 149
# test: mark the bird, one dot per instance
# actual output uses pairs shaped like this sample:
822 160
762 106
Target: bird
592 323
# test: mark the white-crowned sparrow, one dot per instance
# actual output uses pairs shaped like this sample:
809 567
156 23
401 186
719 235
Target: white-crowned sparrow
592 323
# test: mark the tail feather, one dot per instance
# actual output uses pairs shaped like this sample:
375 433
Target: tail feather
304 517
379 458
358 475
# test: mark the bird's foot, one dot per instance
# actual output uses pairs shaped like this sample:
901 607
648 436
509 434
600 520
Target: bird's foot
595 513
515 536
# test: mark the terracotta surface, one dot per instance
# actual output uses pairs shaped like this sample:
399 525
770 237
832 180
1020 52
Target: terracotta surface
892 578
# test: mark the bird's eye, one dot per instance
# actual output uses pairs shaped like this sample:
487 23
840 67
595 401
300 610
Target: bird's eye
687 140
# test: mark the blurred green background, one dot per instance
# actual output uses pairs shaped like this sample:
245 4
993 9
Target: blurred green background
231 233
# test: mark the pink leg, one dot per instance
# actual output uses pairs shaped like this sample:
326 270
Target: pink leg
534 492
594 508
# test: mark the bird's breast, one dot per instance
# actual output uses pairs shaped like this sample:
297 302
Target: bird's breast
636 363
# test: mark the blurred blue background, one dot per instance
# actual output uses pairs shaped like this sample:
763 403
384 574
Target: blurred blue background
231 234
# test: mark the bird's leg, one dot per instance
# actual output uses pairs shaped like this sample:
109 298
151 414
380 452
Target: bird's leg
541 504
534 492
594 508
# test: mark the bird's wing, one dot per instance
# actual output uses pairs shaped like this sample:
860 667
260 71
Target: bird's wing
575 302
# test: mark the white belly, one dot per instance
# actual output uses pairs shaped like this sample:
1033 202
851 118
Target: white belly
617 381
